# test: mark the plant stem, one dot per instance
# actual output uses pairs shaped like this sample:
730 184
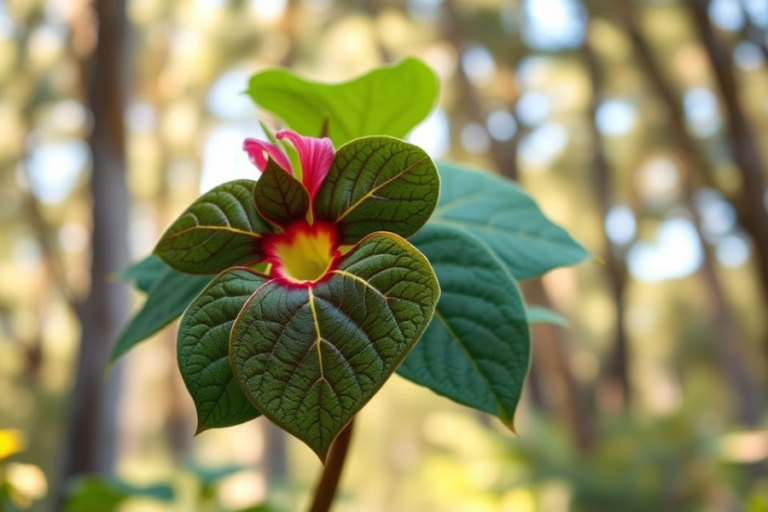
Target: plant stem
329 480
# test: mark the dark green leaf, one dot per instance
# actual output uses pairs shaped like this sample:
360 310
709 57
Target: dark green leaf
203 349
219 230
477 349
280 197
144 273
378 184
540 315
310 358
386 101
496 211
166 301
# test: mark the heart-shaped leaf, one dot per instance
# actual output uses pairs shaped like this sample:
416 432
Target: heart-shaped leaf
387 101
476 351
203 349
500 214
378 184
219 230
310 357
280 197
168 297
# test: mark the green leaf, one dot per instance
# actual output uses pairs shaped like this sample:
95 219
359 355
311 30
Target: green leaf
97 494
496 211
219 230
540 315
144 273
203 349
378 184
476 351
261 507
310 358
389 100
280 198
166 300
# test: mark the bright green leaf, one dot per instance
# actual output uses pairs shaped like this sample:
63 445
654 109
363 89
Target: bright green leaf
499 213
378 184
310 358
166 300
280 197
219 230
144 273
540 315
203 349
389 100
476 351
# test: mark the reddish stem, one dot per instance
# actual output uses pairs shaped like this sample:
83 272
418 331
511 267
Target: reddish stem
329 480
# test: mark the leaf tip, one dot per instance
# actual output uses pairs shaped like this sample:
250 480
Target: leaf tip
596 258
322 452
200 429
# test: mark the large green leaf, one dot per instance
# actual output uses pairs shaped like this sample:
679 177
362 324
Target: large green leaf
386 101
498 212
219 230
144 273
166 300
280 197
203 349
310 358
476 351
378 184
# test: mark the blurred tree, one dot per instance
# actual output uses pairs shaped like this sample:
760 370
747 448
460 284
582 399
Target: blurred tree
90 440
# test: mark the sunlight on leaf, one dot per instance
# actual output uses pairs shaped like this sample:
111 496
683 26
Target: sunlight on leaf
372 104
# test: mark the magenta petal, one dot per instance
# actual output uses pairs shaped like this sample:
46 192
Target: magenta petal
256 149
315 155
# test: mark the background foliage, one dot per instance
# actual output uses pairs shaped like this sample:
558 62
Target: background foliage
637 125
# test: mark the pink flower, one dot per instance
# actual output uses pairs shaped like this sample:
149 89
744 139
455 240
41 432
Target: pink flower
315 155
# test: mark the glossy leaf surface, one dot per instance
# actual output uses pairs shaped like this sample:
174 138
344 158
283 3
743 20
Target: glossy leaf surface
310 358
378 184
500 214
166 300
203 349
219 230
476 351
386 101
280 197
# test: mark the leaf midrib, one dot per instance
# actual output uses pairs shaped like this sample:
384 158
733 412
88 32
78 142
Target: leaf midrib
380 186
465 350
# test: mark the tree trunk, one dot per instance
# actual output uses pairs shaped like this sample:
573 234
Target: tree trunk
90 442
503 154
552 360
699 172
744 151
617 369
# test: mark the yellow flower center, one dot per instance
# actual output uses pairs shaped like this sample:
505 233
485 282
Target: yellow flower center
305 254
